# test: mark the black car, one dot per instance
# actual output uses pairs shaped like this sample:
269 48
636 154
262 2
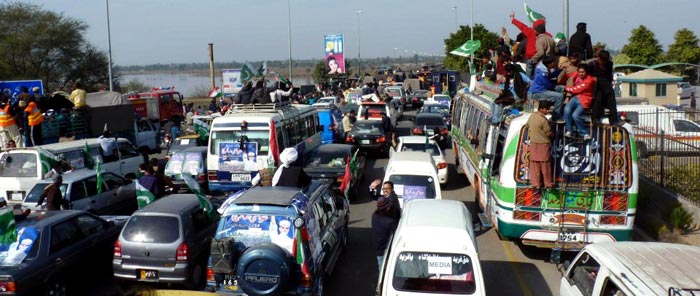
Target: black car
427 123
417 97
329 161
369 135
441 109
61 250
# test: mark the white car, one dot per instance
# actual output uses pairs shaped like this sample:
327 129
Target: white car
417 143
685 90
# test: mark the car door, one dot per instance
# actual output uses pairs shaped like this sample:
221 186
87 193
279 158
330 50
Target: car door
330 239
99 203
77 197
67 247
129 159
120 194
580 278
98 233
203 228
145 134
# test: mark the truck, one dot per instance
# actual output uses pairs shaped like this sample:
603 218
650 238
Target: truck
161 104
107 110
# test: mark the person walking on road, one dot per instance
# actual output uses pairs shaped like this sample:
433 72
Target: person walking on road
540 168
53 196
387 192
383 225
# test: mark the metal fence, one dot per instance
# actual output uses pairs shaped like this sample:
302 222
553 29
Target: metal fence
668 147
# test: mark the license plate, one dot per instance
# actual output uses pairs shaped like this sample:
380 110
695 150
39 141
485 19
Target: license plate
568 237
230 282
146 274
430 132
364 141
240 177
16 196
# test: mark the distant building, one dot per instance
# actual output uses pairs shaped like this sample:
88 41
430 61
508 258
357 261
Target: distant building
658 87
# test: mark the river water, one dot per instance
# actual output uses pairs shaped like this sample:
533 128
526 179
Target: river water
187 84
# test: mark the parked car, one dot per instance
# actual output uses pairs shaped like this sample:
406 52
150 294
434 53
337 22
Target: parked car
166 241
79 189
418 143
192 161
326 101
633 269
369 135
62 249
685 90
433 251
414 176
279 240
329 161
418 97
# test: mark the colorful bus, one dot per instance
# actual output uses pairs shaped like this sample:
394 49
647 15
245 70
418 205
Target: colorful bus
594 197
249 138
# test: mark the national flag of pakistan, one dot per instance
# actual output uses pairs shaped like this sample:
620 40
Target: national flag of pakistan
263 69
282 79
531 14
204 202
89 163
201 127
98 169
48 160
143 196
247 73
8 230
467 49
215 93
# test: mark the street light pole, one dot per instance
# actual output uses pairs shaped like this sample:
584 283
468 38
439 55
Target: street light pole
471 28
289 35
359 46
109 50
456 22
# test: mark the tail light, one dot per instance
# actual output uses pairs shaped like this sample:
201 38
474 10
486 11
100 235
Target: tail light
615 201
306 280
527 215
201 177
339 179
7 286
381 139
529 197
210 275
443 131
212 175
441 165
117 249
417 131
613 220
349 139
182 252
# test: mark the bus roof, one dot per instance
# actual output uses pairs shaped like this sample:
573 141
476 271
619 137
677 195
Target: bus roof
261 115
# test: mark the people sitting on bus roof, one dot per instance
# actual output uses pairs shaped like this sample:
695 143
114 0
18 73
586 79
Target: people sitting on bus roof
280 93
583 95
543 89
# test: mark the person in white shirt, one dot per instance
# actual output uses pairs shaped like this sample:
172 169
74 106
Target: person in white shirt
277 95
108 145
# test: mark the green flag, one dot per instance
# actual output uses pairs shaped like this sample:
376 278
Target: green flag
531 14
201 128
48 160
98 169
8 230
262 70
89 163
282 79
204 202
247 73
143 196
467 49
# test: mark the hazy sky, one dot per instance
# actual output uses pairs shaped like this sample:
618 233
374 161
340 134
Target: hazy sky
178 31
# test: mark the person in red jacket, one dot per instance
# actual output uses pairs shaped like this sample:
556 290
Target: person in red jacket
531 37
583 95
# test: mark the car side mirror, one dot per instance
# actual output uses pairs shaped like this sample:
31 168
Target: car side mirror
566 265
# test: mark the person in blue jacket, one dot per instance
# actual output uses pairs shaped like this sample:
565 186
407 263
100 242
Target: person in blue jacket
544 88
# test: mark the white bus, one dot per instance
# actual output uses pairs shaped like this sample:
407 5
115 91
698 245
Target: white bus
595 181
249 138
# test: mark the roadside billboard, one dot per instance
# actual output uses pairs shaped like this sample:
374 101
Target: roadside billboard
333 53
13 88
231 81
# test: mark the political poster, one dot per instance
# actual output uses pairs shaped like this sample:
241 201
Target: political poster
333 54
236 156
232 81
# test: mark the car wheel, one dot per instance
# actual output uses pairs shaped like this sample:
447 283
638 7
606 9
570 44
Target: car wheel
196 279
56 287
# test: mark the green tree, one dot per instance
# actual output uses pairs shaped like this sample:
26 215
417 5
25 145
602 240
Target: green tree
320 74
488 40
684 49
40 44
134 86
643 48
621 59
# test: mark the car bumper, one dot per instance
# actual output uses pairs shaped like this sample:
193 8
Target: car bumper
442 176
175 274
218 186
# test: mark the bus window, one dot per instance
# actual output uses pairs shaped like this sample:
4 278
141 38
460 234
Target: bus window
262 137
498 155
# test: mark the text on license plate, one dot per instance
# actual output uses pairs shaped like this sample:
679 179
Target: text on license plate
364 141
568 237
148 274
240 177
230 282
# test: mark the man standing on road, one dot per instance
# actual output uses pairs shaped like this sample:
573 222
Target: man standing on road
347 123
53 196
539 131
387 192
383 225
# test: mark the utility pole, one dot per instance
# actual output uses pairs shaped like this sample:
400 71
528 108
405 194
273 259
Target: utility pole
359 47
109 51
289 36
211 65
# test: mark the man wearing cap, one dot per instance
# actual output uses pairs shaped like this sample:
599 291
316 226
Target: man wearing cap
34 120
383 225
544 44
580 42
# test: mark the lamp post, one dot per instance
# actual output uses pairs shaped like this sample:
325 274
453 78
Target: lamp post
359 46
109 50
456 22
289 36
471 28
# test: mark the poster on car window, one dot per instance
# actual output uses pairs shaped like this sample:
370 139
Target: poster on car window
235 157
192 163
15 253
333 54
255 229
413 192
174 166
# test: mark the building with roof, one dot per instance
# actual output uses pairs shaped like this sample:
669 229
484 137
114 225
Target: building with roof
658 87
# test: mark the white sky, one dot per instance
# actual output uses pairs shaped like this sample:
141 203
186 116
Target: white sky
178 31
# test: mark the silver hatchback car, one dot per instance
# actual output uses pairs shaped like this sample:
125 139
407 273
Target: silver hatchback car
167 241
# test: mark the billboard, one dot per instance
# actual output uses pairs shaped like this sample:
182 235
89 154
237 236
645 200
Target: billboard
231 81
333 53
12 88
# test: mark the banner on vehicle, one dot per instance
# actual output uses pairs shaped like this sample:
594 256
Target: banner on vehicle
238 156
231 81
333 54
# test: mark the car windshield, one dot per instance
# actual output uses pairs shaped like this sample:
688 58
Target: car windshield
394 92
151 229
261 137
26 246
189 162
439 109
33 195
367 127
181 144
411 187
18 165
445 273
431 148
429 121
252 229
327 159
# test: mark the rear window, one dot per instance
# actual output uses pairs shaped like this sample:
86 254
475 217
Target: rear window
411 187
371 127
431 148
431 121
252 229
373 111
187 162
18 165
335 159
152 229
434 273
25 246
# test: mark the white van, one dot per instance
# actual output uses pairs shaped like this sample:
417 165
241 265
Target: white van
650 120
433 252
633 268
22 168
414 175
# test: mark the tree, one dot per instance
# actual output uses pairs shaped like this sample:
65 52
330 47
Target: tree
684 49
320 74
40 44
643 48
488 40
599 46
621 59
134 86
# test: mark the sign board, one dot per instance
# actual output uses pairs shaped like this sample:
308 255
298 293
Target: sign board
231 81
13 88
333 54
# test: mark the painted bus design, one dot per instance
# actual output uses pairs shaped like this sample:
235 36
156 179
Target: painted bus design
594 196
